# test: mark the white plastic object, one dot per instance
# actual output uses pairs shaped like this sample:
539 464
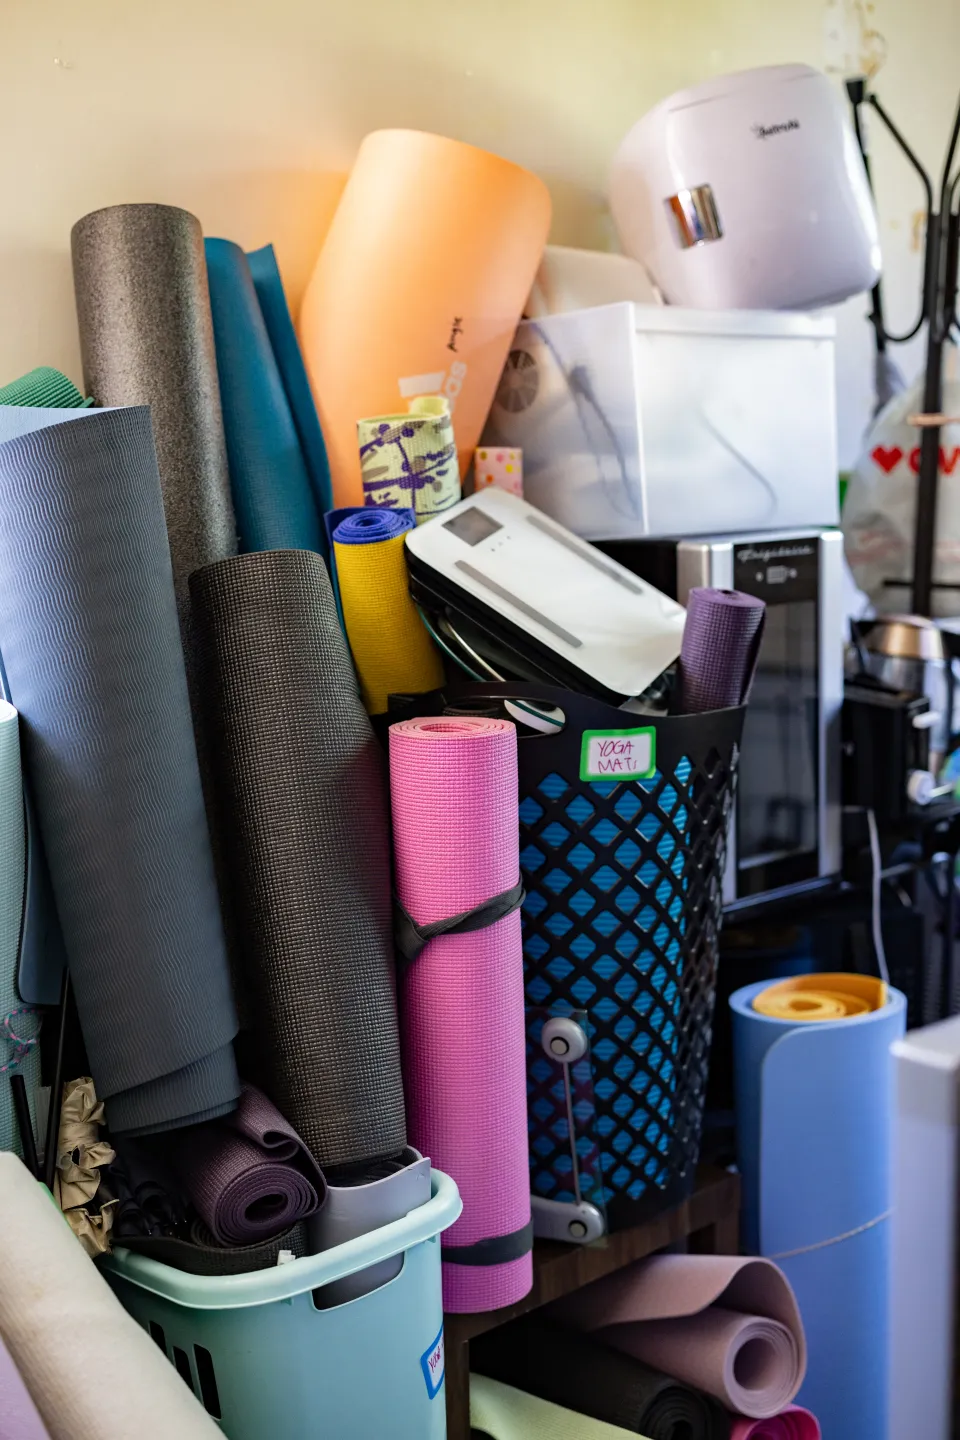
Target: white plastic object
920 786
570 279
748 191
640 420
557 1220
563 1040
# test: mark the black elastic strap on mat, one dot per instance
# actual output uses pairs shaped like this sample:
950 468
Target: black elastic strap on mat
410 938
498 1250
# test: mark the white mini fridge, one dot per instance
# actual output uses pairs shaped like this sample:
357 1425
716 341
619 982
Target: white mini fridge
651 420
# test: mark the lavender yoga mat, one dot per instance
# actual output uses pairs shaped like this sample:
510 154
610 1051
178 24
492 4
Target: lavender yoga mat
721 642
249 1175
454 788
19 1419
725 1325
791 1424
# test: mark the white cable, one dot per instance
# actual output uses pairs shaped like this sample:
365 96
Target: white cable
875 889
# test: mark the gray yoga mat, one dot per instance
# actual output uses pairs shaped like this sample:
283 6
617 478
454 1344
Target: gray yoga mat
303 798
146 336
92 654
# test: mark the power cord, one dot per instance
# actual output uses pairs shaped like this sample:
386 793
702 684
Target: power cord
876 881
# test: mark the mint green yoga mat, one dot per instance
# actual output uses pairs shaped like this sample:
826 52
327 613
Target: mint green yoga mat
44 387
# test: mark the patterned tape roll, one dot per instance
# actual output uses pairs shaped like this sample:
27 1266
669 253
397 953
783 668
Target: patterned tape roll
411 460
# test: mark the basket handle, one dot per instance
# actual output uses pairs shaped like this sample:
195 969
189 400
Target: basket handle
283 1282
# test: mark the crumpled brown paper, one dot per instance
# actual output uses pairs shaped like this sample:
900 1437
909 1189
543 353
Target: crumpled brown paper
80 1154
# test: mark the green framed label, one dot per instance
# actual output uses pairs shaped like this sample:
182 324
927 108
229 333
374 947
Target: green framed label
618 754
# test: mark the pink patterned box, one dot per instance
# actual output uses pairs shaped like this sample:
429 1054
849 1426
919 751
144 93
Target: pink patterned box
496 465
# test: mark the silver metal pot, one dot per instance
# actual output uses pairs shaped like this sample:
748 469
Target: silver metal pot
912 653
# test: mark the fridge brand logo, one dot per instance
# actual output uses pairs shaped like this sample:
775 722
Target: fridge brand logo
448 383
773 552
763 132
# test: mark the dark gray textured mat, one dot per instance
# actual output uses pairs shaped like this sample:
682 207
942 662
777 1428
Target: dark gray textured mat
303 799
92 652
146 335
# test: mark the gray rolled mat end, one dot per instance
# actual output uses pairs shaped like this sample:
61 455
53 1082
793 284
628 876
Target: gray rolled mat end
92 653
302 793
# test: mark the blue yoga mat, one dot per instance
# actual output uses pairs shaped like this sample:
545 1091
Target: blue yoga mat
92 653
16 1022
814 1130
273 495
293 372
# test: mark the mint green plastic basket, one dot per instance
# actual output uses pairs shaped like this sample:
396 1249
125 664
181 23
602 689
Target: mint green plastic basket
268 1365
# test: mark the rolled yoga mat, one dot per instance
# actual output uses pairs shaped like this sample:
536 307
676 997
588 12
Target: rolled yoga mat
419 287
92 653
453 783
19 1418
307 838
19 1052
721 643
293 372
45 387
391 649
411 459
146 338
579 1372
793 1423
502 1413
275 500
814 1122
725 1325
152 1218
92 1371
248 1175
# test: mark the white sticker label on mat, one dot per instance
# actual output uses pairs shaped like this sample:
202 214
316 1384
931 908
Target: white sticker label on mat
431 1363
618 754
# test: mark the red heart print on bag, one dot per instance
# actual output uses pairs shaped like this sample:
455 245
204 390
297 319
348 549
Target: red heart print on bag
888 458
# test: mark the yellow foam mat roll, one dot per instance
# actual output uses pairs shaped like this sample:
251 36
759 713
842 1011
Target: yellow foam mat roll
822 997
392 651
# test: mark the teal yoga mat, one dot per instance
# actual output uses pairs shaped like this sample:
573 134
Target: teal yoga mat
17 1023
293 372
93 658
814 1131
273 496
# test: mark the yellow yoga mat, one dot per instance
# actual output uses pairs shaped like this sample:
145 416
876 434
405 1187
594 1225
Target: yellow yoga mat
822 997
411 459
392 651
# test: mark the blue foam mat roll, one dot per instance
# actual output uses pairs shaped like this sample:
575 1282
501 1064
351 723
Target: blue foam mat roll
273 495
293 372
814 1131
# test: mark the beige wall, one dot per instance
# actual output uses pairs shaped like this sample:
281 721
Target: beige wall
249 111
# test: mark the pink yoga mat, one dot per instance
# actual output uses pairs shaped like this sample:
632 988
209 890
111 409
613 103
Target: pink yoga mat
791 1424
725 1325
453 783
19 1419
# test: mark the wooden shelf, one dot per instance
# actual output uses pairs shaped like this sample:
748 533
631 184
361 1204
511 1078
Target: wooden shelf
708 1221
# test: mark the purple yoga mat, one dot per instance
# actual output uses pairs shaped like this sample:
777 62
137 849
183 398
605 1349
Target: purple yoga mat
791 1424
249 1175
721 642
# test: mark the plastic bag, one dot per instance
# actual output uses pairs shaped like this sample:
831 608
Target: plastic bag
880 506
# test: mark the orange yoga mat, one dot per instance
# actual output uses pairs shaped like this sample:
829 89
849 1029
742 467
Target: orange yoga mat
418 288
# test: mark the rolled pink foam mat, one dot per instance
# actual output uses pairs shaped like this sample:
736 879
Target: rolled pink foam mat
791 1424
725 1325
453 783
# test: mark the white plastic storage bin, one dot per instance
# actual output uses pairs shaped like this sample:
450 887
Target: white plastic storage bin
268 1364
653 420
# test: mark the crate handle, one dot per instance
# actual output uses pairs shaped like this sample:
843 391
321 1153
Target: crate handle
296 1277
